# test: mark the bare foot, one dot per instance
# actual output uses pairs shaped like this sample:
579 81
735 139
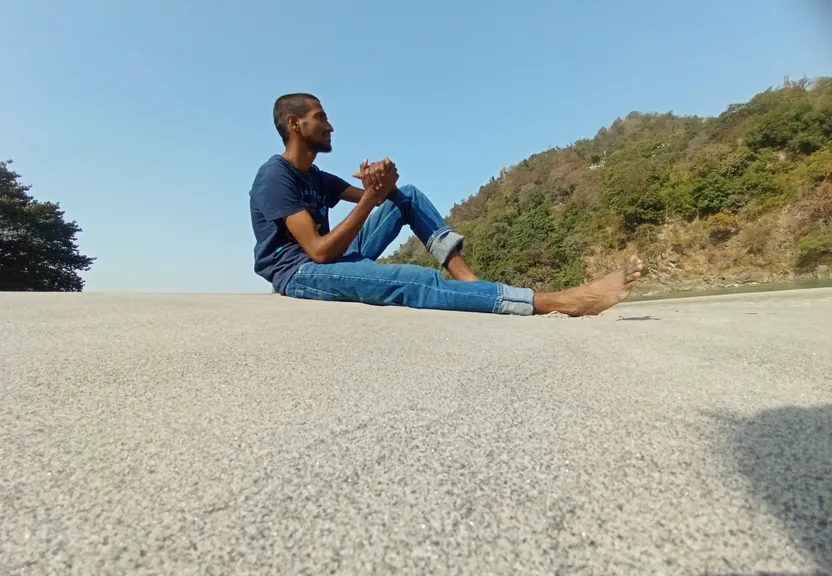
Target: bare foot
464 277
595 297
606 292
458 269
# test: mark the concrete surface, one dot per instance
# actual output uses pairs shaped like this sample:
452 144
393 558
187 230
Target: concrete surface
252 434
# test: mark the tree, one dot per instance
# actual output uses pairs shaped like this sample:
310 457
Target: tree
37 246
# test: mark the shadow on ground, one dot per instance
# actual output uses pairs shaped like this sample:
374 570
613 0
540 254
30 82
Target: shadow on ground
786 455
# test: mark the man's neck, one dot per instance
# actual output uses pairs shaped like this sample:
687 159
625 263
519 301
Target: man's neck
299 156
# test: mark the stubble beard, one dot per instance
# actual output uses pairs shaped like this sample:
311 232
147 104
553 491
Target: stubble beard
321 147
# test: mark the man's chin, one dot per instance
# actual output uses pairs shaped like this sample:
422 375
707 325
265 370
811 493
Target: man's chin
324 147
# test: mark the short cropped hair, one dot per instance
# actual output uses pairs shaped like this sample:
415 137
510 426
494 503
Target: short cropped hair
296 104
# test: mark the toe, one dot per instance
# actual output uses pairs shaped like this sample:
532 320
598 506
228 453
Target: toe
632 277
632 262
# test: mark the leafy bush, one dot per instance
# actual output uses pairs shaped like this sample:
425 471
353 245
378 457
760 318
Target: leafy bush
722 226
815 248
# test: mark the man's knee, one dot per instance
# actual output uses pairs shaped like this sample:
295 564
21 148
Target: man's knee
409 191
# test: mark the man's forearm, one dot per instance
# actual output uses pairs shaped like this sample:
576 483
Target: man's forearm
334 244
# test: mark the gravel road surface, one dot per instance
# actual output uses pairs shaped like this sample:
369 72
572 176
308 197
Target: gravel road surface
253 434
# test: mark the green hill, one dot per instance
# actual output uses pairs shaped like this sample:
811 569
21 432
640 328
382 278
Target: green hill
742 197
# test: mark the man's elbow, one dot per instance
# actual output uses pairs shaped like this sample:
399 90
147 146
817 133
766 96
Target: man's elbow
320 256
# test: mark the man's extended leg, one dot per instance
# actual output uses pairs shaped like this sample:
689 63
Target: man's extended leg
407 205
358 279
355 278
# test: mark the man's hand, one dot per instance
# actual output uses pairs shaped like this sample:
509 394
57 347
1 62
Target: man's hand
378 178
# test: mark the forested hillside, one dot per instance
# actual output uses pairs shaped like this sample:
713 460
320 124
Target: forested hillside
743 197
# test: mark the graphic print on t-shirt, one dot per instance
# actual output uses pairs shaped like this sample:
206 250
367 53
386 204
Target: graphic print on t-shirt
315 204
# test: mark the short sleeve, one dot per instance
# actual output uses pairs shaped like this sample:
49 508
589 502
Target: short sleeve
276 194
334 187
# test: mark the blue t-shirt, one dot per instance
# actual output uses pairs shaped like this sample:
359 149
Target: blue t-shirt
280 190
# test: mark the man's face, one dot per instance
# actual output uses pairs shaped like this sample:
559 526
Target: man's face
315 129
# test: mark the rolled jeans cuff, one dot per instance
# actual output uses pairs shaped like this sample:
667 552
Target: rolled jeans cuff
442 243
513 300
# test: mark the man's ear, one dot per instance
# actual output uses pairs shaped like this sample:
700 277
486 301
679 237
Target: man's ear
293 122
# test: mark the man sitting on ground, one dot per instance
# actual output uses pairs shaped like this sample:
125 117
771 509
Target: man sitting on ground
301 257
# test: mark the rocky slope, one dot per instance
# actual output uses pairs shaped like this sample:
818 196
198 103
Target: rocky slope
742 197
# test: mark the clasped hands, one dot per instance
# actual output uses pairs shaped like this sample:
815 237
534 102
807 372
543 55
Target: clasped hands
379 179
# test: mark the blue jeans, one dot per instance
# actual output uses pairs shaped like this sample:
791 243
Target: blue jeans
357 277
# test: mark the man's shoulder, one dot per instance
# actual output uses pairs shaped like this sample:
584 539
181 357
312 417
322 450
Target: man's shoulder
273 172
275 165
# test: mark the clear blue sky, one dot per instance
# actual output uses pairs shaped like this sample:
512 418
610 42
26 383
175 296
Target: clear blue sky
148 120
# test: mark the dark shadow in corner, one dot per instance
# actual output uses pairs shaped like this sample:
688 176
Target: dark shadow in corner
786 454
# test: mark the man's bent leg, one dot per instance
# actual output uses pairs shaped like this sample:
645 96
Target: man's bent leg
406 205
378 232
357 279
